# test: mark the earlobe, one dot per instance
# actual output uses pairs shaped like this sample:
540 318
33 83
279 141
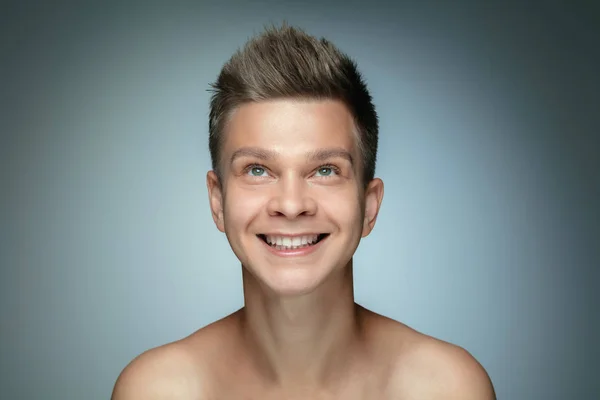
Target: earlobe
215 199
373 199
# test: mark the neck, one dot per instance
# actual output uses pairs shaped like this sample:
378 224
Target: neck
308 340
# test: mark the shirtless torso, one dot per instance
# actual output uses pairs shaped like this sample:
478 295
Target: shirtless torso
395 362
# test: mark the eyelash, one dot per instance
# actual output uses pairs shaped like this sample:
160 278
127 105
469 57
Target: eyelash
251 166
335 169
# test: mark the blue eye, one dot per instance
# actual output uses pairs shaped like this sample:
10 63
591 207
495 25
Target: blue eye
325 171
257 171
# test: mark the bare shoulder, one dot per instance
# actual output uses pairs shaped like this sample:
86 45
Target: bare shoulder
427 368
164 372
440 370
178 370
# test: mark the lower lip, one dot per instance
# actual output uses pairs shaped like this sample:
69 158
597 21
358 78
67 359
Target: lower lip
294 252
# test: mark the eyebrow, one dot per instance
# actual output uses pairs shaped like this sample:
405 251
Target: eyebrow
317 155
325 154
256 152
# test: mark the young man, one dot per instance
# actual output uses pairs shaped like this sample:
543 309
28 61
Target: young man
293 140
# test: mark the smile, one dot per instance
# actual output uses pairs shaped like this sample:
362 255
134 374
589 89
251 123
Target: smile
292 245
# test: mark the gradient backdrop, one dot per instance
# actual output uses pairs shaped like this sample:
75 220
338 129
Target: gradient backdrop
489 233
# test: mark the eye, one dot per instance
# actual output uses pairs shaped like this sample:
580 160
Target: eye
257 170
325 171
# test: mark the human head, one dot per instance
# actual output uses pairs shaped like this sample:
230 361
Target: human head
285 62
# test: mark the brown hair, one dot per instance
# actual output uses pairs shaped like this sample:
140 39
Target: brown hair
286 62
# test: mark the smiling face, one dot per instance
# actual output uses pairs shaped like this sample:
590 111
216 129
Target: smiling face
291 201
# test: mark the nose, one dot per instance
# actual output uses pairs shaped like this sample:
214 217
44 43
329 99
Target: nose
292 198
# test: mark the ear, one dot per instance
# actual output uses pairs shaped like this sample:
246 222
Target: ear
373 199
215 198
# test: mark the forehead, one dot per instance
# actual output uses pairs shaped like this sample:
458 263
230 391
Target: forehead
290 126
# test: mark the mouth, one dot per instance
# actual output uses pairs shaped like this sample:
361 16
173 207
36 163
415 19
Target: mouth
292 243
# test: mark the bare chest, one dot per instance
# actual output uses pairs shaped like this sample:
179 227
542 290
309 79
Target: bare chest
366 387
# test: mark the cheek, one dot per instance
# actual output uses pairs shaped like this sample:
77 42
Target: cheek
343 207
241 206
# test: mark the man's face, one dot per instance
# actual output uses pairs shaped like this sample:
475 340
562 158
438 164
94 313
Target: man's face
291 202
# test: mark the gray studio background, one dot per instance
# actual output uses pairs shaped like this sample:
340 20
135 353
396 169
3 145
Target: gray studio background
488 236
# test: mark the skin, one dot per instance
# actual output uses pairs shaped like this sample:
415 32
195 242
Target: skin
289 167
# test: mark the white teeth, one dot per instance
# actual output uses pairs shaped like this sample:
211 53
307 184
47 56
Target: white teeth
287 242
